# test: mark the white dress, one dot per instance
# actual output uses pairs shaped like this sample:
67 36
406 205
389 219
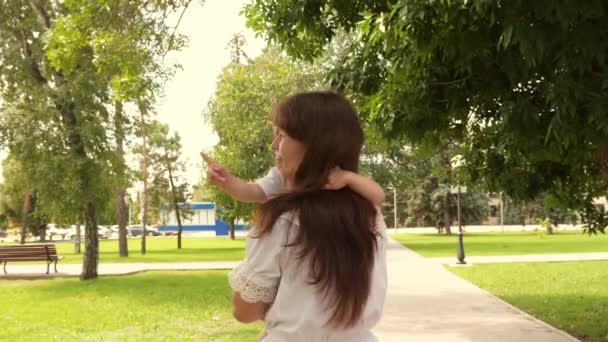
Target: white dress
270 274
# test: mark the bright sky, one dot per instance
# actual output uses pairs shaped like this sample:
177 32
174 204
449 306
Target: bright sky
209 28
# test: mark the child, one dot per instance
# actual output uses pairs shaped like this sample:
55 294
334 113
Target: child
271 185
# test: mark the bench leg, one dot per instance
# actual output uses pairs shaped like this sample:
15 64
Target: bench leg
55 266
5 267
48 264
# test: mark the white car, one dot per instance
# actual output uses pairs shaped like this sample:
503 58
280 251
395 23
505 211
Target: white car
103 232
137 230
114 232
53 231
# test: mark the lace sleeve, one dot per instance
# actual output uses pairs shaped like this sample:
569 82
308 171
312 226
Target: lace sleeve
257 278
253 287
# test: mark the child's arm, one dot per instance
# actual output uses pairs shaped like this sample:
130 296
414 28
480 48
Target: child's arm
365 186
233 186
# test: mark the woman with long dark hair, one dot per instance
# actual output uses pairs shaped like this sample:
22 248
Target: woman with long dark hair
315 267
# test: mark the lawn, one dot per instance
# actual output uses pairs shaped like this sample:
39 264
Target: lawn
508 243
153 306
572 296
160 249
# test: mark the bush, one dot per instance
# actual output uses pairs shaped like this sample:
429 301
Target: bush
410 222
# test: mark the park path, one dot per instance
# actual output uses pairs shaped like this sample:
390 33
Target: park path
425 302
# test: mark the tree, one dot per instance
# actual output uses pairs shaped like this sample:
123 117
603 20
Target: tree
143 162
62 65
121 179
239 113
520 86
168 186
18 198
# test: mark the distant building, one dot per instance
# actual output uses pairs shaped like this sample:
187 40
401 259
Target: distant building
201 218
601 202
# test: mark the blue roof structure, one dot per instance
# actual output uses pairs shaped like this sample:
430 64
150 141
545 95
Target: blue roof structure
193 205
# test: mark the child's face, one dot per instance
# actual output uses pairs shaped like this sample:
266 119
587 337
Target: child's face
288 153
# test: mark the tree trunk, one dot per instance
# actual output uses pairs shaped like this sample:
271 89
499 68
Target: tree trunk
175 204
446 215
144 167
91 254
232 223
123 249
78 238
91 249
42 232
66 107
25 209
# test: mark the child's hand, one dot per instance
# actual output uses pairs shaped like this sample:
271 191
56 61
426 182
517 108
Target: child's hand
337 179
216 173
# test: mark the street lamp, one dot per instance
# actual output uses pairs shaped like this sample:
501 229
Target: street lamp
394 205
460 251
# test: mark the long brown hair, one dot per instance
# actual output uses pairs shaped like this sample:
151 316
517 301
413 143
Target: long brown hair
337 233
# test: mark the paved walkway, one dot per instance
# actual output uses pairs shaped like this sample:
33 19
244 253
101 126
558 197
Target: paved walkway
425 302
526 258
74 270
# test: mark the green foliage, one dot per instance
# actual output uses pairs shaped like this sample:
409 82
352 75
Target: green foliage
545 224
430 199
13 188
240 115
163 152
521 87
62 65
13 197
422 184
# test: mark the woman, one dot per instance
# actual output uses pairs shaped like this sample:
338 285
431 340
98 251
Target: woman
315 267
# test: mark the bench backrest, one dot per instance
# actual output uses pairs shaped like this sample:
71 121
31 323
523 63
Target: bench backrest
21 252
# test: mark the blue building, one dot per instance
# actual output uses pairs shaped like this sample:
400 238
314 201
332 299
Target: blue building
203 219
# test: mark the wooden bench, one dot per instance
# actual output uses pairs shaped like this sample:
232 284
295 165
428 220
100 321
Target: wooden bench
46 252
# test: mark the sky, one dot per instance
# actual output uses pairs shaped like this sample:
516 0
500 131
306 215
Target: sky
208 27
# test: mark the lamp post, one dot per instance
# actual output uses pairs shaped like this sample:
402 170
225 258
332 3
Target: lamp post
460 251
394 205
502 223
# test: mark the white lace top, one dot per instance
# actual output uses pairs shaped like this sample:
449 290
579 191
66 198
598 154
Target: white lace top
297 312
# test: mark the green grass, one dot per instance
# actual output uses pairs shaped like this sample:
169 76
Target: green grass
160 249
572 296
434 245
154 306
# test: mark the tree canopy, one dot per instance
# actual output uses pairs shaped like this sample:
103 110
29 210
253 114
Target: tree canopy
63 64
240 115
520 86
